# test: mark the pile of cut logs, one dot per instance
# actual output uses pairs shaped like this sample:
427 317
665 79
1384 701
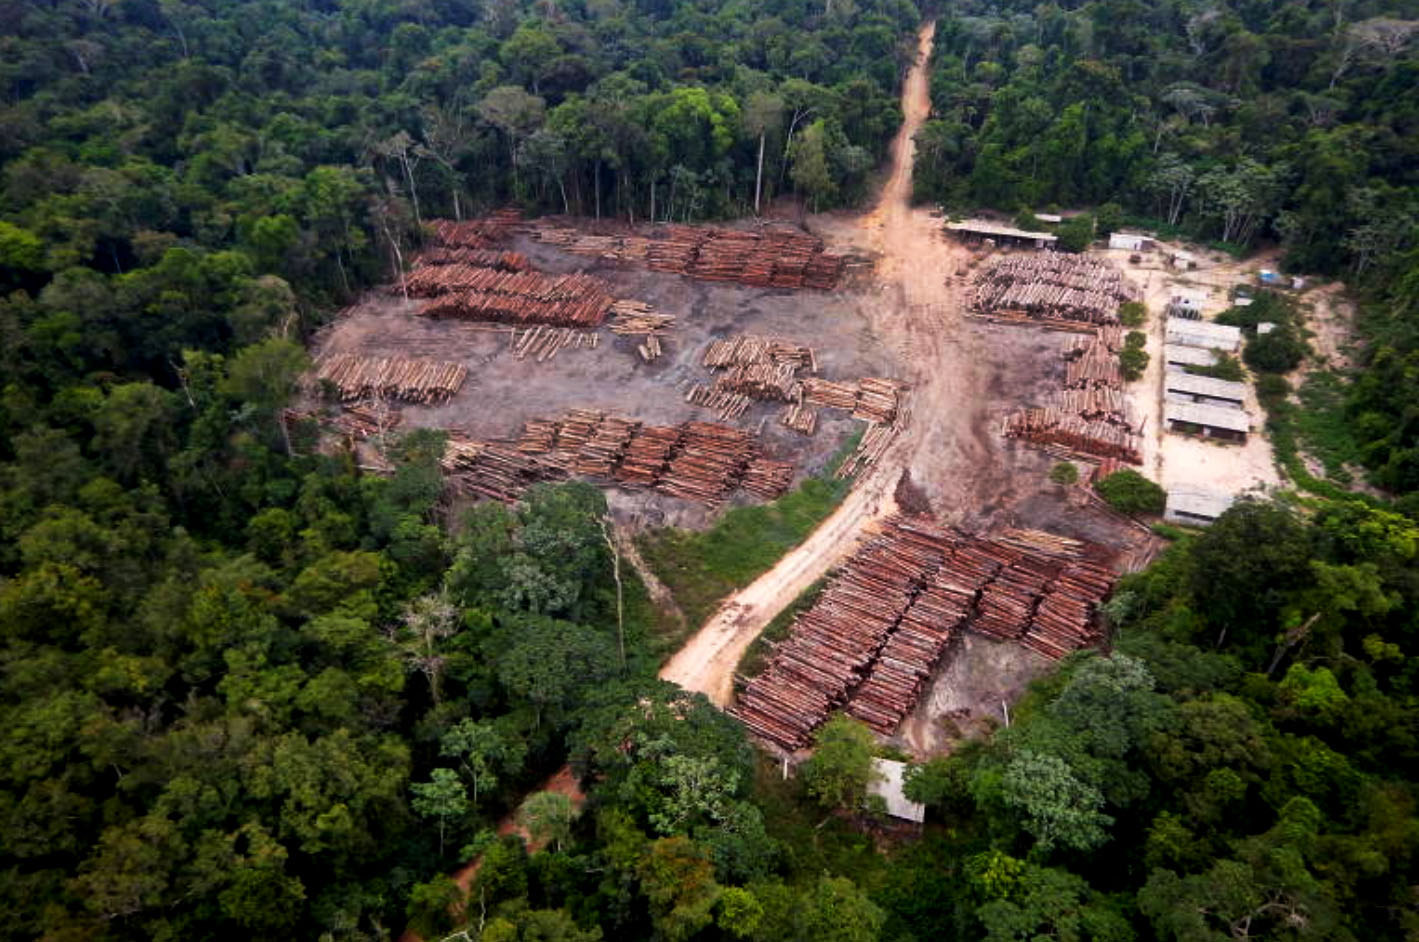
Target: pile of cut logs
1053 426
723 402
1053 286
871 641
494 470
421 381
487 294
1091 414
802 418
482 258
770 256
875 441
751 350
542 343
700 461
474 233
871 398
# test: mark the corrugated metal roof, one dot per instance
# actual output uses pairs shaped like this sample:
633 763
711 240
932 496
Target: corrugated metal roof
889 786
1198 502
1203 334
1205 386
1215 416
984 227
1192 356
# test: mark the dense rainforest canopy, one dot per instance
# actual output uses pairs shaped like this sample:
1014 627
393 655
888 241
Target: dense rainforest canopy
249 692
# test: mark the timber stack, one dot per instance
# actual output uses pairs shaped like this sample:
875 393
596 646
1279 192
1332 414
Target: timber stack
871 398
426 382
766 256
493 470
479 258
542 343
725 403
889 615
1053 426
700 461
484 233
487 294
1053 286
800 417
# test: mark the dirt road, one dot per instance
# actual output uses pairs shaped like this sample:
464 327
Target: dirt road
919 319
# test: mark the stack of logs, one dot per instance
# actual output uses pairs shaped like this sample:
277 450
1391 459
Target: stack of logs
762 368
1053 286
1091 414
482 233
486 294
770 256
871 641
494 470
871 398
700 461
421 381
542 343
481 258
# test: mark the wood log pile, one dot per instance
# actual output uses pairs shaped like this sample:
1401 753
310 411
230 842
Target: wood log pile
481 258
768 256
800 417
543 343
1091 414
871 398
426 382
875 441
888 616
630 317
487 294
494 470
1053 286
725 403
482 233
1054 426
709 463
753 350
701 461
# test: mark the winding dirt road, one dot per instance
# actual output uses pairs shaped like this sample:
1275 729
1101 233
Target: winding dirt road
944 446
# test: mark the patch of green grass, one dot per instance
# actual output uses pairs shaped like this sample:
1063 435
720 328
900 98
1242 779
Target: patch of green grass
1324 429
753 660
701 568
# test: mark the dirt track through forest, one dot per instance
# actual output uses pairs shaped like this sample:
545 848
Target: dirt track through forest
944 445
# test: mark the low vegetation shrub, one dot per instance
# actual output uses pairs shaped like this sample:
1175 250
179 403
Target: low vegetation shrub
1064 473
1129 492
1227 367
1132 313
1132 362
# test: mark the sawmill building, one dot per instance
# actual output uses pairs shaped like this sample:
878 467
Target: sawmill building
977 230
1186 387
1219 422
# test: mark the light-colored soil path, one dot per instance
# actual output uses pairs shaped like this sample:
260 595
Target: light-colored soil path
944 445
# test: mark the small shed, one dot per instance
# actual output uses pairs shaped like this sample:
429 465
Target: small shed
1195 506
1129 241
1183 260
1207 390
1178 357
975 230
1204 334
1264 328
1051 218
888 784
1219 422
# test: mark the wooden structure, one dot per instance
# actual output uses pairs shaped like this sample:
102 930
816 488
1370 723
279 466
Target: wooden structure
980 230
871 641
1053 286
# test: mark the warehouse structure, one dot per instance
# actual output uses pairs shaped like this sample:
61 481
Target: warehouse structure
1219 422
1204 334
1181 386
1195 506
1179 357
976 230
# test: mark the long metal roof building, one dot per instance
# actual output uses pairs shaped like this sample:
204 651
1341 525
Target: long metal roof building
1206 389
1217 417
1196 505
1204 334
1178 356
